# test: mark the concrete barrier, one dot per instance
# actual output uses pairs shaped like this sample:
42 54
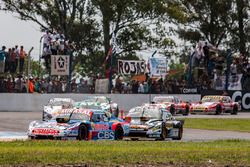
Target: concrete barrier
35 102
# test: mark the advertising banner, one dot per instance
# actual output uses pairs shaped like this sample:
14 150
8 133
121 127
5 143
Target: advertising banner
60 64
131 67
234 82
157 67
101 86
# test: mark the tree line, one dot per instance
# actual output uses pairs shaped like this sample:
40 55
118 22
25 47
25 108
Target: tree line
137 24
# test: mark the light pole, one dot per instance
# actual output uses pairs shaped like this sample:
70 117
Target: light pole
40 55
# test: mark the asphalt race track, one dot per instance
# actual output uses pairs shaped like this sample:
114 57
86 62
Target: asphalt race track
13 125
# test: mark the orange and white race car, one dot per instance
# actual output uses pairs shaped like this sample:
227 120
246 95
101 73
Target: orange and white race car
173 104
215 105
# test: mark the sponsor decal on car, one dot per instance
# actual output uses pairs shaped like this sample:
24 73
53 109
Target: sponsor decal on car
45 131
101 127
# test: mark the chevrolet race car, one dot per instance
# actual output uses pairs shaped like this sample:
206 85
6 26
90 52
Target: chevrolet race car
216 105
100 102
81 124
173 104
153 121
54 105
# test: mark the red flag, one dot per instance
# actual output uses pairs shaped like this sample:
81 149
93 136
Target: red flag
108 55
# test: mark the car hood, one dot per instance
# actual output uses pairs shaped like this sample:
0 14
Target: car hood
52 124
205 104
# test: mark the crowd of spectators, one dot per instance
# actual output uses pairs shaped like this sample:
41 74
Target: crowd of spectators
205 64
36 85
12 59
55 44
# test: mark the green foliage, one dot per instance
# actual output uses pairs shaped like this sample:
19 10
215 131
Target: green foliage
91 28
178 70
113 153
208 19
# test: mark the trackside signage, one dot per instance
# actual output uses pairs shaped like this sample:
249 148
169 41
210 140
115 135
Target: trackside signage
60 64
131 67
238 96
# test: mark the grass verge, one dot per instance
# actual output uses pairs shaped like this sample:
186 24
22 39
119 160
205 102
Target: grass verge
241 125
110 153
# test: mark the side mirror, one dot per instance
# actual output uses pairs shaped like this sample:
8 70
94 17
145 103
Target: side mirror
200 102
152 102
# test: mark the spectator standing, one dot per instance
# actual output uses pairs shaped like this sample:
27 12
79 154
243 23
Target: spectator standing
23 55
17 52
140 88
13 61
46 39
31 85
7 61
2 59
47 56
233 68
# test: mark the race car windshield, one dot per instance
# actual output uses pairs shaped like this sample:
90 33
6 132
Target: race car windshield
145 112
210 99
163 99
96 99
92 106
73 116
59 103
152 113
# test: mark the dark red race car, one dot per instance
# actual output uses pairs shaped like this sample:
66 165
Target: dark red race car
173 104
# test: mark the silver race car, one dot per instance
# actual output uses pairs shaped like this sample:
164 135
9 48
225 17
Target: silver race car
153 121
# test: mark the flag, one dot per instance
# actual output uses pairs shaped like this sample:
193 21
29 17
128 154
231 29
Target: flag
86 5
114 43
112 50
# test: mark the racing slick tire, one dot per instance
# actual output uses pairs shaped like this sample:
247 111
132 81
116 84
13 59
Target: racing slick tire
218 110
180 134
163 132
83 132
186 112
172 110
235 110
119 133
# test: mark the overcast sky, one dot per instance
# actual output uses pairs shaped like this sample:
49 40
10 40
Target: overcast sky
14 31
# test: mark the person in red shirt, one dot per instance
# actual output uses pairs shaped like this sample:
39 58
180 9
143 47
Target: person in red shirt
31 86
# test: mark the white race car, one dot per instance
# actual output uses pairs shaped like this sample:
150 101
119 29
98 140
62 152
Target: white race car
56 104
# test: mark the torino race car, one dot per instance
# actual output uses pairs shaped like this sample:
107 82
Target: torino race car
81 124
173 104
103 102
153 121
216 105
56 104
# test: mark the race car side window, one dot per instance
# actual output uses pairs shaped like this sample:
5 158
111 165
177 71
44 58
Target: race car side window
97 117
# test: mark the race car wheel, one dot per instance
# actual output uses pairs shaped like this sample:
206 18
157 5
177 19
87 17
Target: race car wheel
186 112
180 134
83 132
172 110
163 132
119 133
235 110
218 110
